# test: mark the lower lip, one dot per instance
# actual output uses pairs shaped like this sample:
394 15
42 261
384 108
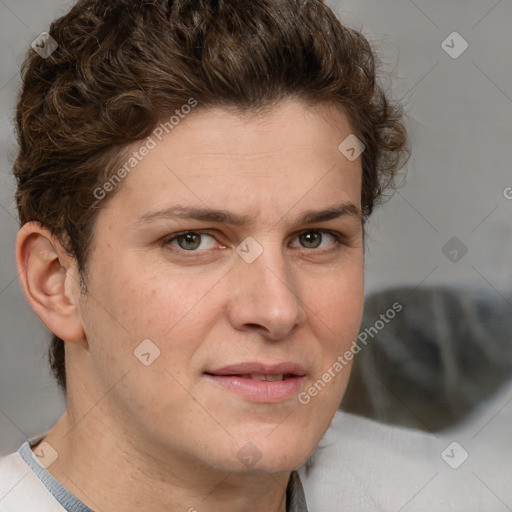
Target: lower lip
262 391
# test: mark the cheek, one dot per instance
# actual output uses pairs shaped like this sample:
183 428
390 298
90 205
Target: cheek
148 300
336 307
175 310
340 310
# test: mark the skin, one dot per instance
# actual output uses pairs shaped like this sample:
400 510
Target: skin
163 436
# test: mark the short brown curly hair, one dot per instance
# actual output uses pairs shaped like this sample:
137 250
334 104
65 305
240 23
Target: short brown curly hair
121 66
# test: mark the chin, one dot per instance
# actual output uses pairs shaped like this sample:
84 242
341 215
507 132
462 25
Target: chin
280 463
273 454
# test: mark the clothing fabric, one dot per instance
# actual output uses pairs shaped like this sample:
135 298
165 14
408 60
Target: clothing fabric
26 485
65 498
21 490
361 465
295 499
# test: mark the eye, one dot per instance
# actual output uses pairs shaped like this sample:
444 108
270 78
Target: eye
191 241
314 239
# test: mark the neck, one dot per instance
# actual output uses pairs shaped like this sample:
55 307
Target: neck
107 470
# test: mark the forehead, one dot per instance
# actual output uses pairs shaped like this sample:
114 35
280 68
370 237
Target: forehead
260 166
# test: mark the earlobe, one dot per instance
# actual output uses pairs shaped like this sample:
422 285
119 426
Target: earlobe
50 281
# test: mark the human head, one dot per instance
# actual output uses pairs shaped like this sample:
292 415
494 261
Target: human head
123 67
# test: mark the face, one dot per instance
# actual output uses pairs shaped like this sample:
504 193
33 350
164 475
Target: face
229 259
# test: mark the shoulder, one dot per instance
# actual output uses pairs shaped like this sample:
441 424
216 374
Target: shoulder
21 490
363 465
366 466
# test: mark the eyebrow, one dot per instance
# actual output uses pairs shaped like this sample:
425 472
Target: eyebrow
227 217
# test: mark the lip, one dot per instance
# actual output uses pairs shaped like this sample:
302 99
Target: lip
235 378
256 367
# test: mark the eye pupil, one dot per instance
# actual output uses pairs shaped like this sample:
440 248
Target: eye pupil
311 239
189 241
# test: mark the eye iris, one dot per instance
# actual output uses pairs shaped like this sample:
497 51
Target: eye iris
311 239
189 241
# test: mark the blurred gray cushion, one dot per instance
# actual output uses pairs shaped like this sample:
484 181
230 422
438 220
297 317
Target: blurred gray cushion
447 351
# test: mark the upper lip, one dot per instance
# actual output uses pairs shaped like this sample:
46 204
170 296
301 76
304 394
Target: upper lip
257 368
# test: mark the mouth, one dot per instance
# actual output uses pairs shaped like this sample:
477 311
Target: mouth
258 382
269 378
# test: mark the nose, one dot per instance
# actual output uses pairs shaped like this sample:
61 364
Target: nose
266 297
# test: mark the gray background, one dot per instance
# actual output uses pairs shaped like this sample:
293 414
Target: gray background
459 118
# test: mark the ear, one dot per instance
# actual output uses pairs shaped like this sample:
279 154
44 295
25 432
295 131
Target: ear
50 279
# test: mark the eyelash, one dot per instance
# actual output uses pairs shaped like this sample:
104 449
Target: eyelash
339 240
